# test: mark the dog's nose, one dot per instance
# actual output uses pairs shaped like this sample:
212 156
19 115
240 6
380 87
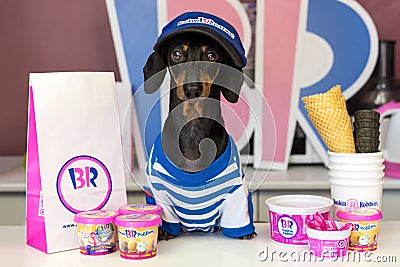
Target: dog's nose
192 90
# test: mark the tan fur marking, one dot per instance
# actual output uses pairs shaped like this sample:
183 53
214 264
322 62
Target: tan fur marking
206 82
192 109
179 79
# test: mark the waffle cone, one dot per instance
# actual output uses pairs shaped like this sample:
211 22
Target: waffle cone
314 106
335 129
332 97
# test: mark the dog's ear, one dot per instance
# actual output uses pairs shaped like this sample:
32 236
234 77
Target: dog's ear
230 81
154 72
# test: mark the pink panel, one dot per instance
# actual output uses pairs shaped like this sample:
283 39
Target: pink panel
35 227
280 37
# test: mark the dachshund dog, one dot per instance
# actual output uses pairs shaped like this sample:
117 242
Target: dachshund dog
194 169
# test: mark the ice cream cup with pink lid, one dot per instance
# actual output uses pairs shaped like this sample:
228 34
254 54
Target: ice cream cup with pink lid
140 209
364 233
96 232
137 234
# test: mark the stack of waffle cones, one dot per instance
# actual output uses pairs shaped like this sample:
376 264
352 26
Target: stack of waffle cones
328 113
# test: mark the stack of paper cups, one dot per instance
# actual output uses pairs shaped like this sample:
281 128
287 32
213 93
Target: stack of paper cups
356 180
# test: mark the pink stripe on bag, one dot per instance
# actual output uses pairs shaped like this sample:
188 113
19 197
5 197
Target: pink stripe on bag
35 226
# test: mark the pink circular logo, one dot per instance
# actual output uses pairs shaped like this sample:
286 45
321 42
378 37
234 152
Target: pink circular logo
86 177
352 203
287 227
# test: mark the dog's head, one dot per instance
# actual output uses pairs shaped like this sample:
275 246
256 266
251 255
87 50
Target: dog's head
204 56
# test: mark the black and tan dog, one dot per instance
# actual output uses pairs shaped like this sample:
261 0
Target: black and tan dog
194 168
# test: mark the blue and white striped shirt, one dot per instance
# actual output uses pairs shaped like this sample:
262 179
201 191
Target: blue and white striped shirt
214 197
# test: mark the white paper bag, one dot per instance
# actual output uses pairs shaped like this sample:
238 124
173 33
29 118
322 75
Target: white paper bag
74 154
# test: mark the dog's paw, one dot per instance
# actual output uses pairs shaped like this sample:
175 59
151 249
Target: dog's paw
250 236
163 235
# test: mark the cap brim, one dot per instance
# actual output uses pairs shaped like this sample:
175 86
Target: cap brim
208 32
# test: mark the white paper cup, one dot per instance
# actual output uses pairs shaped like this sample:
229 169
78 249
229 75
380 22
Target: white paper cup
374 174
354 194
377 164
361 181
356 161
356 167
355 158
369 176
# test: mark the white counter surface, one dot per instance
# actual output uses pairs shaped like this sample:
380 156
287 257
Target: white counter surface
296 177
199 249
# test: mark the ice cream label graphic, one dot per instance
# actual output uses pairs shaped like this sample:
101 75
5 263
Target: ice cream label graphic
96 232
137 235
287 227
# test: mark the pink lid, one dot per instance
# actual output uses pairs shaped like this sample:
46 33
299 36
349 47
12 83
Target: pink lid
363 214
138 220
95 217
140 209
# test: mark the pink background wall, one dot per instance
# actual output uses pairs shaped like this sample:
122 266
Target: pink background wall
387 20
74 35
42 36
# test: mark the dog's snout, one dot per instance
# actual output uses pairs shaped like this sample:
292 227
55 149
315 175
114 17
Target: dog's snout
193 90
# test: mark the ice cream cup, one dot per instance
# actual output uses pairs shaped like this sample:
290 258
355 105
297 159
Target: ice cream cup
329 244
365 182
287 214
137 234
364 233
367 176
96 232
140 209
354 194
354 158
357 175
370 167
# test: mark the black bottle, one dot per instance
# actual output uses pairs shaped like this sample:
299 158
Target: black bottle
382 87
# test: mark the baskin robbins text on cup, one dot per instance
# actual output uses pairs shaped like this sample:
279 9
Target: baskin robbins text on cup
355 194
355 204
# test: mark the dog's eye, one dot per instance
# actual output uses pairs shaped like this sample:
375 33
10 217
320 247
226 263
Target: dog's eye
211 56
176 55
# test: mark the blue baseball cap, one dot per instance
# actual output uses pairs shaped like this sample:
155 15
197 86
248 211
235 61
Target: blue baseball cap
210 25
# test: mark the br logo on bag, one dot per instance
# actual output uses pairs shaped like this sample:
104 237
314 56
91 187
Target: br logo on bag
84 175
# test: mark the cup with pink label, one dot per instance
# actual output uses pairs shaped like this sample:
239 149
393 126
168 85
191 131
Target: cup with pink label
96 232
328 239
354 194
288 213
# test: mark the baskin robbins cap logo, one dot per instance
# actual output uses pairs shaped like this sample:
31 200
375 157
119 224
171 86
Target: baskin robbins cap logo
203 20
84 175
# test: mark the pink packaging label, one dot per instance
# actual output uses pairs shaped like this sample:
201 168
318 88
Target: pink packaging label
329 248
97 239
137 243
290 229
